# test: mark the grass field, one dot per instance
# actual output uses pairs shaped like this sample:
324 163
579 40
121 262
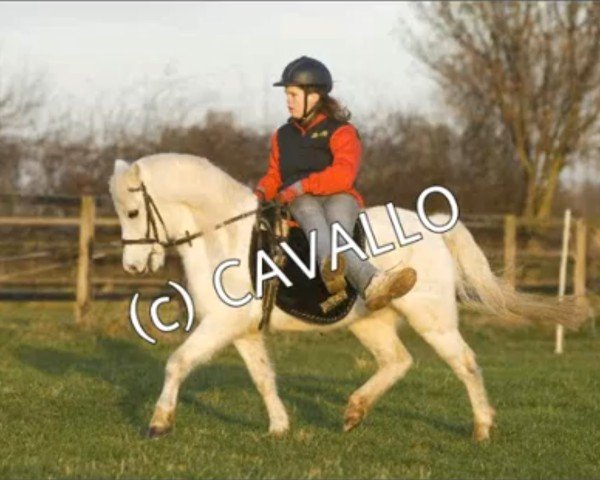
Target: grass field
76 404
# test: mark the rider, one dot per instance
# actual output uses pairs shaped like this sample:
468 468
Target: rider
313 163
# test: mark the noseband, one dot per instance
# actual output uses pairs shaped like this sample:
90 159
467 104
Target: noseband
152 213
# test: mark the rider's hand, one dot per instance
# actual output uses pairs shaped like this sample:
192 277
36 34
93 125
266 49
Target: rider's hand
263 203
290 193
260 195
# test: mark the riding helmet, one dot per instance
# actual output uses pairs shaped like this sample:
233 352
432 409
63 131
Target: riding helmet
304 72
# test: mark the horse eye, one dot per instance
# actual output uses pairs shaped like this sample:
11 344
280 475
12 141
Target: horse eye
132 213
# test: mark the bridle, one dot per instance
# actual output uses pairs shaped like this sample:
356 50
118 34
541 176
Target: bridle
152 213
275 231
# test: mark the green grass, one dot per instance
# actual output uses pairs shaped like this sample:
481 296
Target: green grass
75 404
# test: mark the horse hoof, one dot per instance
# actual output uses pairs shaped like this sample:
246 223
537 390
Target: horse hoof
355 414
161 422
351 423
278 432
481 432
157 432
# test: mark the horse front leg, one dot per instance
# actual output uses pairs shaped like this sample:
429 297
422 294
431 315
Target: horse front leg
252 350
214 333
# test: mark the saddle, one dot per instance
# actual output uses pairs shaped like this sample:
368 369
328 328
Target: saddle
306 299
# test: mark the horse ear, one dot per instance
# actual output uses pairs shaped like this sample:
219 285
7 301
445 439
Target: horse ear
134 175
120 165
120 168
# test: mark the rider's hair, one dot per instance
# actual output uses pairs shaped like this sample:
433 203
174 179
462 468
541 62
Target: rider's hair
331 106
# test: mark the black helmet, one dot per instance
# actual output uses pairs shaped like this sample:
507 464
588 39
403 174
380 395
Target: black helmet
305 72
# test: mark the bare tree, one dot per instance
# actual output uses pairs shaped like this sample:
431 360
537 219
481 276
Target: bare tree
77 151
534 67
406 153
21 96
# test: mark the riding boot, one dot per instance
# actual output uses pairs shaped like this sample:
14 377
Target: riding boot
334 281
389 284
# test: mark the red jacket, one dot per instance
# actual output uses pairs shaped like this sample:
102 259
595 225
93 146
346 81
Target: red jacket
338 177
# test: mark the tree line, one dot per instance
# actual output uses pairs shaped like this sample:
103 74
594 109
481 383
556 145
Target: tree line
522 87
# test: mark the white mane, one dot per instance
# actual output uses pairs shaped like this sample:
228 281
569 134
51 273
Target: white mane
193 180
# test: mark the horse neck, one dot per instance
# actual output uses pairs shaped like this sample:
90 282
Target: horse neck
215 246
214 207
202 196
210 193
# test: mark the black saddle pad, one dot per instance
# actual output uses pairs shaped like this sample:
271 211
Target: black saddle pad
303 298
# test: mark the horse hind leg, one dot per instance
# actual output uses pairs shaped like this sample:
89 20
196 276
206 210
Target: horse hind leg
439 328
455 351
252 350
378 334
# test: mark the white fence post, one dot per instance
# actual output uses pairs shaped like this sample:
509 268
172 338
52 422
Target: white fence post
562 279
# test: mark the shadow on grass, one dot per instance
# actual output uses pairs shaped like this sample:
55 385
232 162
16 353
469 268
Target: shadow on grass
138 376
120 363
457 429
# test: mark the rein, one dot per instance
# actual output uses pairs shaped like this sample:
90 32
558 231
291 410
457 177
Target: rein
152 213
275 231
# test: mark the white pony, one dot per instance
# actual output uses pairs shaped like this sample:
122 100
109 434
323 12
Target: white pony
192 195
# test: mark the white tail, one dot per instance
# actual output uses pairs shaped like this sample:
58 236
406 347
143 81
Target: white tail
479 288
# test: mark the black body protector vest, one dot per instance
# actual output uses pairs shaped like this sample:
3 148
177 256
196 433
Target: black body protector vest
302 154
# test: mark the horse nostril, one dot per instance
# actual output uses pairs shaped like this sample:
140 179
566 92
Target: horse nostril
131 267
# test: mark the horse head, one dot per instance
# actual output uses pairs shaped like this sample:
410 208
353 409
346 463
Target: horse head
143 231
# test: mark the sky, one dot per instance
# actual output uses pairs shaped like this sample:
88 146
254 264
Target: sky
220 55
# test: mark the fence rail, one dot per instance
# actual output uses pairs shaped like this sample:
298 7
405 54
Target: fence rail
85 285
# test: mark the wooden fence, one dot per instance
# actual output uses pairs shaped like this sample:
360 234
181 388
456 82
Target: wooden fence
87 285
578 253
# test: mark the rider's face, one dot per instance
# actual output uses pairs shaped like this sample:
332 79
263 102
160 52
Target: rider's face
295 100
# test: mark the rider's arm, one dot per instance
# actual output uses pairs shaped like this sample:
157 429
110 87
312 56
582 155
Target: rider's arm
340 175
271 181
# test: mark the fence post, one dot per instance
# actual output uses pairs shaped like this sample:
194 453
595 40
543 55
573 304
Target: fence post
510 249
86 242
562 277
580 274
